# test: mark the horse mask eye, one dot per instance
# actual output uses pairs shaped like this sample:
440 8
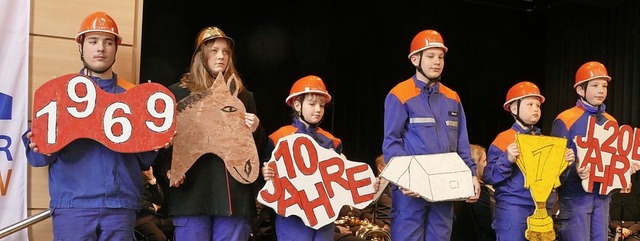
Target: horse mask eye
229 108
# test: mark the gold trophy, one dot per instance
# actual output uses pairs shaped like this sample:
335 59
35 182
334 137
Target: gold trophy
541 160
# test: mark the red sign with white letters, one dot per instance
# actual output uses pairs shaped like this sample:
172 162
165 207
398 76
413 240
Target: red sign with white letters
613 153
71 107
313 182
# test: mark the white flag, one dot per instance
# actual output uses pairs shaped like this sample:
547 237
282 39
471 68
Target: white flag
14 79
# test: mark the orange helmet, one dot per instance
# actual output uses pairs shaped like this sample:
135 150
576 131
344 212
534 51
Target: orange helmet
426 39
591 70
522 90
98 22
211 33
308 84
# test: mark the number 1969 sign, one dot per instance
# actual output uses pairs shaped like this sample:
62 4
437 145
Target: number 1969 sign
72 107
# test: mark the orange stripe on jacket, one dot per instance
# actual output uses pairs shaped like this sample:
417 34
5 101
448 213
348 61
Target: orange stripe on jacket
336 141
504 139
282 132
125 84
407 89
449 93
288 130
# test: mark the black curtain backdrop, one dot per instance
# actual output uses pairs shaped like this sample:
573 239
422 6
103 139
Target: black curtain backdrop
360 50
608 35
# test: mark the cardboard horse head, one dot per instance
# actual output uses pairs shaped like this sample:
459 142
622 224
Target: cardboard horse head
212 121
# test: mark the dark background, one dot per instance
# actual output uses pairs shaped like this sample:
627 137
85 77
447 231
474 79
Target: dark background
359 48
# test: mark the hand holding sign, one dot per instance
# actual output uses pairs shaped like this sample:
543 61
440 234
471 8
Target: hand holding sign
611 162
72 106
314 183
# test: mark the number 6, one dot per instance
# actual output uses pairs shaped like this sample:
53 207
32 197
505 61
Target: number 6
109 122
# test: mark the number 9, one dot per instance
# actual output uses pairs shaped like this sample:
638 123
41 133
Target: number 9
166 114
90 97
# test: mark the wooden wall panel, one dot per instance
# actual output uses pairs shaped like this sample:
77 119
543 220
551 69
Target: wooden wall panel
42 230
62 18
38 188
52 57
54 52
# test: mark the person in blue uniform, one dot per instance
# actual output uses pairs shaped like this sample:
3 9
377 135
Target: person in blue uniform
583 215
422 116
307 98
514 203
95 192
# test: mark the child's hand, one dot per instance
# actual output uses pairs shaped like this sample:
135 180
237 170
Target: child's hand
376 184
476 188
267 172
252 121
583 172
33 145
635 166
148 174
569 156
512 152
409 192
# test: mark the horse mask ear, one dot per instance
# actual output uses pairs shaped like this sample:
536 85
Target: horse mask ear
231 83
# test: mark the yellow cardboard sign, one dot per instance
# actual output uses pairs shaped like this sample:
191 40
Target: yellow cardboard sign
541 160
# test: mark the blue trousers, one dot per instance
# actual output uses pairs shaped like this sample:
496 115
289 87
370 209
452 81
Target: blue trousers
93 224
584 216
293 229
416 219
510 221
211 228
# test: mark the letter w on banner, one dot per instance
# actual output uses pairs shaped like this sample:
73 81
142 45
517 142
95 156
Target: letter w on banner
14 63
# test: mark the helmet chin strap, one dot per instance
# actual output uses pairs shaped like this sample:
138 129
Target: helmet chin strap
599 110
520 120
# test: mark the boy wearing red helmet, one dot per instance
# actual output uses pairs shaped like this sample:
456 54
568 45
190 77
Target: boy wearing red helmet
307 98
583 215
514 203
95 192
422 116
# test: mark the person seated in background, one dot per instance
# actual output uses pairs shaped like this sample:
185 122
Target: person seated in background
151 224
624 230
483 209
376 213
347 225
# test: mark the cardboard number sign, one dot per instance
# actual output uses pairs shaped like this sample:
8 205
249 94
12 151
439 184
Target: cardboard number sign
613 153
314 183
73 106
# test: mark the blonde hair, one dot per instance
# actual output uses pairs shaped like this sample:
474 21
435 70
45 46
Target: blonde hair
199 79
380 160
478 154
